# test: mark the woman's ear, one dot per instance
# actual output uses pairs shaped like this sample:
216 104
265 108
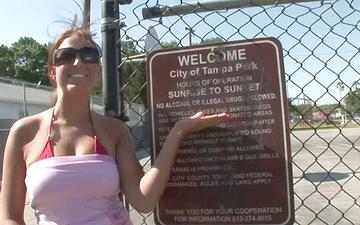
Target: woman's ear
52 73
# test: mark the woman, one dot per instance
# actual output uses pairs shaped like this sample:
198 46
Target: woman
72 161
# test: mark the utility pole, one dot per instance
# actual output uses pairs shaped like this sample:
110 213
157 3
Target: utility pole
110 73
340 85
191 32
86 14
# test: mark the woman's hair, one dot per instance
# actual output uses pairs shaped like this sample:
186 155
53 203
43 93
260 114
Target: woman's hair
85 33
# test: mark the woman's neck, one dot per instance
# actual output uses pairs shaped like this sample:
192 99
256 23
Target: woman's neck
72 109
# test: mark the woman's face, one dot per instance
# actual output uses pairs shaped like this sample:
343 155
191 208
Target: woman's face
78 75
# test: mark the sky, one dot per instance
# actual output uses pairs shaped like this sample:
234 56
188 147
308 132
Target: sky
44 20
39 19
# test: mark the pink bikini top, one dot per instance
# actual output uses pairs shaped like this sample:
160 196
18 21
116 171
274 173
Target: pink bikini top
75 189
48 150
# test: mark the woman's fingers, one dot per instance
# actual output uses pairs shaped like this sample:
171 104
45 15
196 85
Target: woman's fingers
217 116
198 115
200 121
206 121
212 116
214 119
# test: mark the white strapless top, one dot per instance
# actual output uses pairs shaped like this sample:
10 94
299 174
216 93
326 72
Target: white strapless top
76 190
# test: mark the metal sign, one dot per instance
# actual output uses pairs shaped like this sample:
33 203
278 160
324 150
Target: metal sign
239 172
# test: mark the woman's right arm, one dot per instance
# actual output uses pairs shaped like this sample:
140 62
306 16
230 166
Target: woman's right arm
13 190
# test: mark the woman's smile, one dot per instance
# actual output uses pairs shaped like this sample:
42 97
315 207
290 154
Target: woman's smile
78 75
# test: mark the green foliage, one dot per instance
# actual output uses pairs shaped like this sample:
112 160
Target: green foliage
171 44
352 100
30 60
174 44
292 108
328 108
128 49
6 62
97 90
133 75
306 111
212 40
134 82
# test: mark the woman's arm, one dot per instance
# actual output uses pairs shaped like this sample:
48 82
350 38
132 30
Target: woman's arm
144 191
13 190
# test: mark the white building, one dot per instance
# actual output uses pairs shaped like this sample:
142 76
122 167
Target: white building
15 99
18 97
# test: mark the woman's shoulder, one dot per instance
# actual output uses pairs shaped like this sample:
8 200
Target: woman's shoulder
111 125
110 122
29 124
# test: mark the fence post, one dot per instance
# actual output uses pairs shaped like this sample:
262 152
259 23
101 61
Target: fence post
119 61
110 77
86 13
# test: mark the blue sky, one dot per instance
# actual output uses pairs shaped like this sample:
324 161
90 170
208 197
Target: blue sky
43 20
38 18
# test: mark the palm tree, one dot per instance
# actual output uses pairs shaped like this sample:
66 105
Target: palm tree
356 84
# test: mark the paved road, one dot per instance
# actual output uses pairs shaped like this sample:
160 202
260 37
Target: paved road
326 168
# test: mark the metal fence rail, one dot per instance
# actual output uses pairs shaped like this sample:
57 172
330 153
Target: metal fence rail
320 42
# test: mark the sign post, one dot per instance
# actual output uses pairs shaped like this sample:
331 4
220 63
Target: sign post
238 173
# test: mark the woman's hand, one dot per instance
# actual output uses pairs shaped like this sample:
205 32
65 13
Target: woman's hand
198 122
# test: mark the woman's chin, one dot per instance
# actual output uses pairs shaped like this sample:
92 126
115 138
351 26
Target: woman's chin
73 88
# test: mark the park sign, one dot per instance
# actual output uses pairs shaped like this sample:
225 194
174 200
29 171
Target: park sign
240 171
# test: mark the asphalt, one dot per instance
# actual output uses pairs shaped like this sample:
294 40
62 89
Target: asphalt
28 214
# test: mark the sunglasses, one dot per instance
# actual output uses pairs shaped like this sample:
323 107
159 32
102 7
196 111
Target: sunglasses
68 55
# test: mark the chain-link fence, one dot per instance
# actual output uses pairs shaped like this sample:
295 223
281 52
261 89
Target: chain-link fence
320 41
18 99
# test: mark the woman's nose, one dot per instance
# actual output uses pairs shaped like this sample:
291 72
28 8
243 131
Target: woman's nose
77 60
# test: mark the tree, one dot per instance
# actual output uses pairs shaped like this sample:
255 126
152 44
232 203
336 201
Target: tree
128 49
305 110
171 44
212 40
30 60
352 101
6 62
328 108
293 109
134 72
133 75
134 82
356 84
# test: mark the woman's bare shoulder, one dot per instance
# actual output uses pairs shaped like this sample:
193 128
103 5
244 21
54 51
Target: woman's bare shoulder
115 128
112 124
23 132
28 125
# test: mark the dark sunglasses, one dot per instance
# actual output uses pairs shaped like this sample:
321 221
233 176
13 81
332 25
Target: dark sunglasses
68 55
